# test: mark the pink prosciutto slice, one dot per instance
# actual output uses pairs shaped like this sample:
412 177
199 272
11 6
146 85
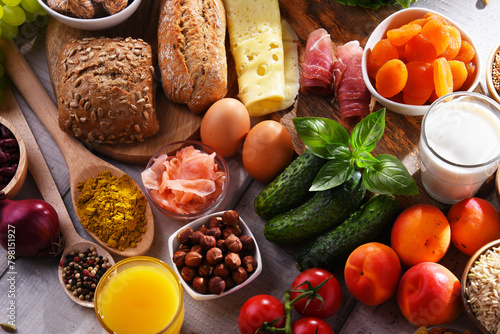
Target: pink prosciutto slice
186 183
317 76
352 94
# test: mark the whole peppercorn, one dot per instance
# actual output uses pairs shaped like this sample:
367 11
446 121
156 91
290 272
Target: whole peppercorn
216 285
214 255
233 244
239 275
193 259
230 218
184 235
178 258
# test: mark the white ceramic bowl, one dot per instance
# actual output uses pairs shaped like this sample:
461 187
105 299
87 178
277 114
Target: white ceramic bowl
396 20
101 23
489 77
173 245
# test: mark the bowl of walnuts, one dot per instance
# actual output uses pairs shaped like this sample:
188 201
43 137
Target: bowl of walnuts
215 255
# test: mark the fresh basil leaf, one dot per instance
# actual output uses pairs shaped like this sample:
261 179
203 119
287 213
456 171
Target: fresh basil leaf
332 174
338 151
316 132
364 159
389 176
368 131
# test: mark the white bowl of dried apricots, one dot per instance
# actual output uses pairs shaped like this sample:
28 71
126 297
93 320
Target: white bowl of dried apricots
415 56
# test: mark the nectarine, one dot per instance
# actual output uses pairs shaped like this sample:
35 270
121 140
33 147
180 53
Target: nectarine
474 222
429 294
372 273
421 233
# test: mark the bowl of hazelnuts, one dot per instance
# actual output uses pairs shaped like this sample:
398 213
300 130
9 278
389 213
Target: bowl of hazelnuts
215 255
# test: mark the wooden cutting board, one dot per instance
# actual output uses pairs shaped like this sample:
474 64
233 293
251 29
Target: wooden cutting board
344 24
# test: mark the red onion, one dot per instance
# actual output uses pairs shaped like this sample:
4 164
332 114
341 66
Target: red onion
30 225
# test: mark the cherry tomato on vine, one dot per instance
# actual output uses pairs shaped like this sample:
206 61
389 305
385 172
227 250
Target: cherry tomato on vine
258 310
330 292
311 325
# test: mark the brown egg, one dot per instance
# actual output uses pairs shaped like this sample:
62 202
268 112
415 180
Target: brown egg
267 151
225 125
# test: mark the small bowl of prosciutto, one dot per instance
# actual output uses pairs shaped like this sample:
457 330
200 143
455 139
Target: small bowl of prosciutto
414 57
186 180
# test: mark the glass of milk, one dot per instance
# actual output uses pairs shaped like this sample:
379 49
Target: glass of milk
459 145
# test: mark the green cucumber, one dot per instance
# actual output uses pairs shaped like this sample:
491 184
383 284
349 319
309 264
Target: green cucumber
325 210
291 188
365 225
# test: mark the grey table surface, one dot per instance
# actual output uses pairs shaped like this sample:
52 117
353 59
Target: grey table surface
41 305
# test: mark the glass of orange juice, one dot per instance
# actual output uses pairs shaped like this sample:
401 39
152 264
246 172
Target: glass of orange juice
140 294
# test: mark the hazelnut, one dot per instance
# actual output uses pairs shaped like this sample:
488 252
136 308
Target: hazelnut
184 248
178 258
214 255
215 222
233 244
221 244
249 263
231 230
221 270
188 273
196 237
203 229
193 259
184 235
216 285
232 260
205 269
248 243
239 275
229 282
214 232
196 248
230 218
207 242
200 284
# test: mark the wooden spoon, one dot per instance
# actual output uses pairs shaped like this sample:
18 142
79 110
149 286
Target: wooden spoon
82 164
41 174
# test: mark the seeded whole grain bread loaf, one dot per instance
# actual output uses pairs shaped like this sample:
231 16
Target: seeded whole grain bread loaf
105 90
192 53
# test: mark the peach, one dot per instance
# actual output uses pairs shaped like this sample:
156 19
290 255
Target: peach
372 273
421 233
429 294
474 222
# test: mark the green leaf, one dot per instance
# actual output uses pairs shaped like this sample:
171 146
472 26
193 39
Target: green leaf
364 159
332 174
389 176
368 131
316 132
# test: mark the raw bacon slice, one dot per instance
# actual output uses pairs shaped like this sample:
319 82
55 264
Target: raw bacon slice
352 94
317 76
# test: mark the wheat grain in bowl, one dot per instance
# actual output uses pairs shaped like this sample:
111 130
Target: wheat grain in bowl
481 288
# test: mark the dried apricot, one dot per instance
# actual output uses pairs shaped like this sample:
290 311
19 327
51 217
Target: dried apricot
454 45
420 48
420 22
471 75
420 81
434 16
415 100
391 78
466 52
437 33
400 36
459 73
443 78
382 52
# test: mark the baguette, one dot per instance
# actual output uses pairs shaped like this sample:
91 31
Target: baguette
105 90
192 53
